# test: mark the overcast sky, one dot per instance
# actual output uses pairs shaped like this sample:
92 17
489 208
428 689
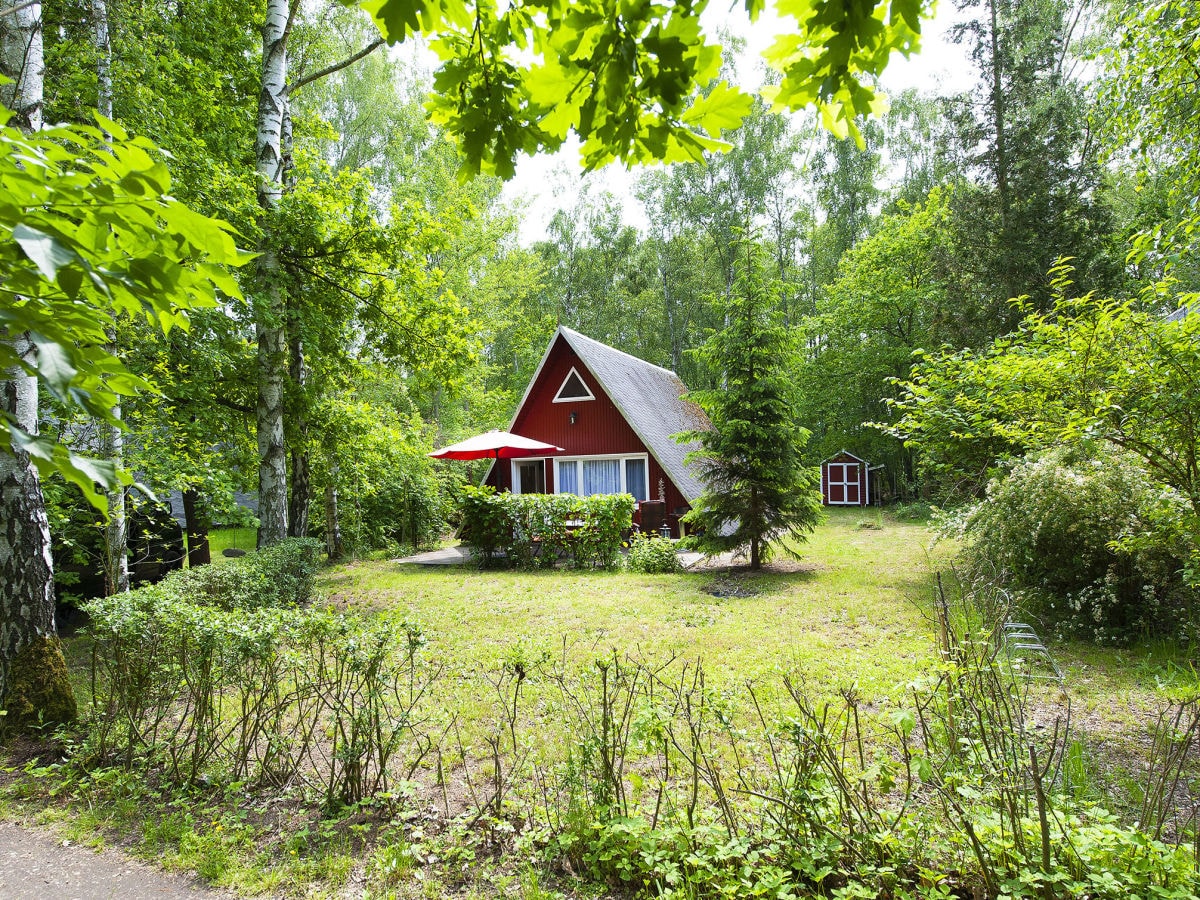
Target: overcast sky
547 183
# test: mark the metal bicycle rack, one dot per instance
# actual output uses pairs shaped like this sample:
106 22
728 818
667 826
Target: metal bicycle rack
1020 641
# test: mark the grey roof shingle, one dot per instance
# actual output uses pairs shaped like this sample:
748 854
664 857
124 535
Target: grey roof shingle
1185 310
651 400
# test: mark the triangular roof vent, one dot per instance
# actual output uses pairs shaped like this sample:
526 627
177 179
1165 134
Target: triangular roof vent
573 389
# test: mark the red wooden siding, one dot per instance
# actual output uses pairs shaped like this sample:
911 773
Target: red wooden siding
599 427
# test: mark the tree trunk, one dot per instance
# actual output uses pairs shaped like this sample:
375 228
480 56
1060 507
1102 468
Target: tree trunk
999 111
301 494
270 299
301 474
34 687
112 439
116 531
104 88
22 61
195 524
333 526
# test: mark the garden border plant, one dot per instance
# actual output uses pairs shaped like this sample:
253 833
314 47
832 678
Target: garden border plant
217 674
532 531
668 785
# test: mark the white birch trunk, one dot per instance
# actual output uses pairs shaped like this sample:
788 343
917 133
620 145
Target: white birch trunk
112 439
104 88
271 301
34 687
33 682
23 61
333 525
116 532
26 572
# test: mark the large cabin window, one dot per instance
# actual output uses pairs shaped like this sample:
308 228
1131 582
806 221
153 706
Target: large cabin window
586 476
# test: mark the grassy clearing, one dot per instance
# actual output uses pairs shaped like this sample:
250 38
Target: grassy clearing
854 612
222 539
853 609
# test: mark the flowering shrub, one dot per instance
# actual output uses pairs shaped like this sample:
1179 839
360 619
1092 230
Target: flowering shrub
1087 542
652 555
536 530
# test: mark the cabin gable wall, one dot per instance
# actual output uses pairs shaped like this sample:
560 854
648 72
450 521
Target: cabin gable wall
599 428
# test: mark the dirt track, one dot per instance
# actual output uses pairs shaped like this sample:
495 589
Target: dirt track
35 863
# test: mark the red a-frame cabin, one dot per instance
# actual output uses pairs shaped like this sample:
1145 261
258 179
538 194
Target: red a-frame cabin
614 416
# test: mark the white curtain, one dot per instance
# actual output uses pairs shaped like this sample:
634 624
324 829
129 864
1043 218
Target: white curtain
601 476
568 477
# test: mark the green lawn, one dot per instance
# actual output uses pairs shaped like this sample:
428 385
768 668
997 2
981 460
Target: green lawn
222 539
854 610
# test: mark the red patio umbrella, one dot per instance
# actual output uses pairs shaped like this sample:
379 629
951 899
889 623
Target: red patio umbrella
494 445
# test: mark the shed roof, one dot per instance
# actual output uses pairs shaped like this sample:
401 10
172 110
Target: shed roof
648 396
843 453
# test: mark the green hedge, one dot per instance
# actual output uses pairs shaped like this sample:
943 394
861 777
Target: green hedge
218 673
535 530
275 697
280 575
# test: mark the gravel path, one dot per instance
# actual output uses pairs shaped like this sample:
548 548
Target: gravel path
35 863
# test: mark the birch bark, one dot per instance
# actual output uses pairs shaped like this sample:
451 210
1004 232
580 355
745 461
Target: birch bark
26 575
112 439
271 300
33 677
273 151
23 61
333 525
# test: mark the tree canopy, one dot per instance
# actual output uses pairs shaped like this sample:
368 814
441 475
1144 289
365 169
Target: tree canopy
520 77
91 236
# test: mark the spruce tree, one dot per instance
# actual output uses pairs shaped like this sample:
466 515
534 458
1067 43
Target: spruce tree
757 488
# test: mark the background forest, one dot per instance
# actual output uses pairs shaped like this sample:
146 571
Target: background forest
414 316
986 291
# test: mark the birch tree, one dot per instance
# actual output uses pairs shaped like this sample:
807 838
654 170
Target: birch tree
112 437
89 235
270 300
273 155
33 675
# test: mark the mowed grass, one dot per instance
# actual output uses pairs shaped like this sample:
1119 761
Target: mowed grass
857 611
854 612
222 539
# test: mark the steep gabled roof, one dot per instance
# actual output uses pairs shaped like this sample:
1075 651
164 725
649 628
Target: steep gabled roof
648 396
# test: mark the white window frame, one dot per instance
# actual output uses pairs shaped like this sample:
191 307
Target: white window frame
575 372
514 474
644 457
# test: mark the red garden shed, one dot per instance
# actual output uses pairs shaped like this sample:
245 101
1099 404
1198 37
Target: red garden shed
614 416
846 480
